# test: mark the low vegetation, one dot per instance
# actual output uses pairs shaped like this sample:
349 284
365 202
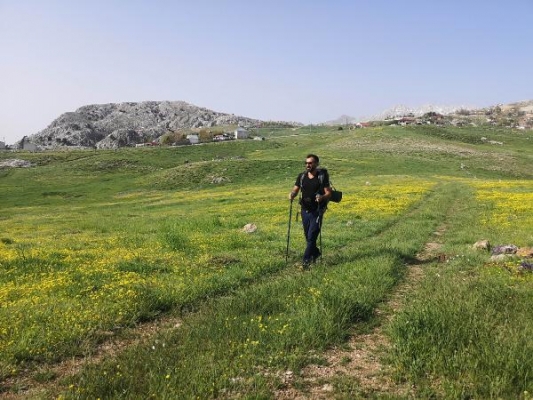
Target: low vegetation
96 245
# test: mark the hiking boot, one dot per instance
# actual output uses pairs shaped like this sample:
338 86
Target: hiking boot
306 265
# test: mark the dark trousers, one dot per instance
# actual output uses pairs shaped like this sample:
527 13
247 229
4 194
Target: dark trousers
312 222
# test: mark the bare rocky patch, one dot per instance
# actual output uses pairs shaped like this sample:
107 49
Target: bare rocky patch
15 163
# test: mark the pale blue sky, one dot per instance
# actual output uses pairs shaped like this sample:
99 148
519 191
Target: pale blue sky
295 60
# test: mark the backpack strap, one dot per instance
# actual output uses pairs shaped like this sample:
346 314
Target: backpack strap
321 176
321 173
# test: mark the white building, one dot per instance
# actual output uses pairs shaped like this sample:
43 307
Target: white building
28 146
25 144
241 133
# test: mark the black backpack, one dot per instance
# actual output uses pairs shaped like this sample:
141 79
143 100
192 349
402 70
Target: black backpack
336 196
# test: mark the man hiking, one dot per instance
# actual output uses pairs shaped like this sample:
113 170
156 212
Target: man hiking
315 190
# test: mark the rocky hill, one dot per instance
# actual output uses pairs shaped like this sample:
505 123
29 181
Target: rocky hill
126 124
393 112
122 124
513 115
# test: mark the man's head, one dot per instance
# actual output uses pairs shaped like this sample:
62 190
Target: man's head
311 162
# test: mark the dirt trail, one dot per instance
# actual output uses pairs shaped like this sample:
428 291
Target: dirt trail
359 362
24 385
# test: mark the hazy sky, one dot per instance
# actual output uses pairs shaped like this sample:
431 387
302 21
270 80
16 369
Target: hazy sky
295 60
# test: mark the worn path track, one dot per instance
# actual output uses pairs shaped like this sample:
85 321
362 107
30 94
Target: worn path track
26 386
359 361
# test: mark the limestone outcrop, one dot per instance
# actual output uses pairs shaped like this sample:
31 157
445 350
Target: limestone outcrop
126 124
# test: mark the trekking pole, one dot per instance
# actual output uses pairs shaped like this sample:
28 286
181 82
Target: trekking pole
288 234
320 234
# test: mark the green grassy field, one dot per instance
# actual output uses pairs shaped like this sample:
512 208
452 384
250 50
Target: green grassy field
96 245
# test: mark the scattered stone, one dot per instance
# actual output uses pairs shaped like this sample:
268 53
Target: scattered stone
501 257
528 266
249 228
349 223
328 387
218 179
505 249
481 245
287 376
526 252
15 163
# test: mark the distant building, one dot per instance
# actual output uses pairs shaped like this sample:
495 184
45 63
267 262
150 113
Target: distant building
241 133
193 139
405 120
25 144
30 146
2 145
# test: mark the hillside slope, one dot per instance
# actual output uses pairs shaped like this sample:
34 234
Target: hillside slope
120 124
511 115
